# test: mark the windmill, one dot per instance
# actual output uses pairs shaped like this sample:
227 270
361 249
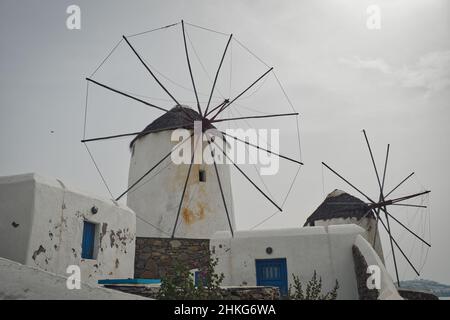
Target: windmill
208 113
380 207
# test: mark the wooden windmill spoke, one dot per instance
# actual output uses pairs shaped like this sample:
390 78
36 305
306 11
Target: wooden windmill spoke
155 78
184 188
258 147
391 240
385 167
126 94
190 69
152 168
407 229
220 187
131 134
150 71
217 107
250 180
239 95
409 197
348 182
257 117
396 200
400 249
373 160
397 186
409 205
217 74
381 193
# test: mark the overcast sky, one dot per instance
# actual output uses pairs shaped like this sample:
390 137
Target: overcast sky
342 78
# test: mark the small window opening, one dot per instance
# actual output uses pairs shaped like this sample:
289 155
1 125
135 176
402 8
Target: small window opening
202 175
89 238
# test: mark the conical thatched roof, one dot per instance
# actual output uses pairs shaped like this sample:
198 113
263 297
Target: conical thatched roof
175 118
339 204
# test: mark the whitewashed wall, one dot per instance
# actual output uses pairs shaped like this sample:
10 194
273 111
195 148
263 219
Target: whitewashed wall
368 224
328 250
20 282
41 225
157 200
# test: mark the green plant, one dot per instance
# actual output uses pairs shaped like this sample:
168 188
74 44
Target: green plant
313 289
179 284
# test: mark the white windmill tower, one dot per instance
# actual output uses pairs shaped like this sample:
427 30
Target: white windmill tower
198 208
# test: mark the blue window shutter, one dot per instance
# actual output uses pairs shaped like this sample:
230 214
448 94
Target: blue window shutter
272 272
87 246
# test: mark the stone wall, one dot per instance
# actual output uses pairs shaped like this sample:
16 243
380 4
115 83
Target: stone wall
361 276
155 257
410 294
252 293
228 293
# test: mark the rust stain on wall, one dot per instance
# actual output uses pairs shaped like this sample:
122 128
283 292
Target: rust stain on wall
190 217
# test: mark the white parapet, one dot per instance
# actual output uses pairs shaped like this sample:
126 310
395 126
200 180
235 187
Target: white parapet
42 224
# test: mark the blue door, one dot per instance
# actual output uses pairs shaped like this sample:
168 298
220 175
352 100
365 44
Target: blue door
87 246
272 272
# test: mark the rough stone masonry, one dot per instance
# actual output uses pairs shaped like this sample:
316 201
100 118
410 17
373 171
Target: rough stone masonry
155 257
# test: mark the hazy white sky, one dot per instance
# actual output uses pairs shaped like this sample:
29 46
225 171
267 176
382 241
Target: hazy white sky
341 76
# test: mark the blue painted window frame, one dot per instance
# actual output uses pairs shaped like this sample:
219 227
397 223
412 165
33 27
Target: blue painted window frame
88 242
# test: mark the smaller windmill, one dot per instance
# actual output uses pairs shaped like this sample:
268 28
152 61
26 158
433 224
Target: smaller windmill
380 206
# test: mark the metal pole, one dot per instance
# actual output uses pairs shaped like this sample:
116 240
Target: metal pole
150 71
217 73
409 230
258 147
257 117
127 134
401 251
152 168
184 190
351 185
221 190
217 107
239 95
250 180
399 184
126 94
190 69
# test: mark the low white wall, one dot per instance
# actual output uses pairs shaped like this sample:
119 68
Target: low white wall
368 224
20 282
328 250
41 225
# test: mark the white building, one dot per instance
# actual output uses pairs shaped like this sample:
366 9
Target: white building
157 197
272 257
46 225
